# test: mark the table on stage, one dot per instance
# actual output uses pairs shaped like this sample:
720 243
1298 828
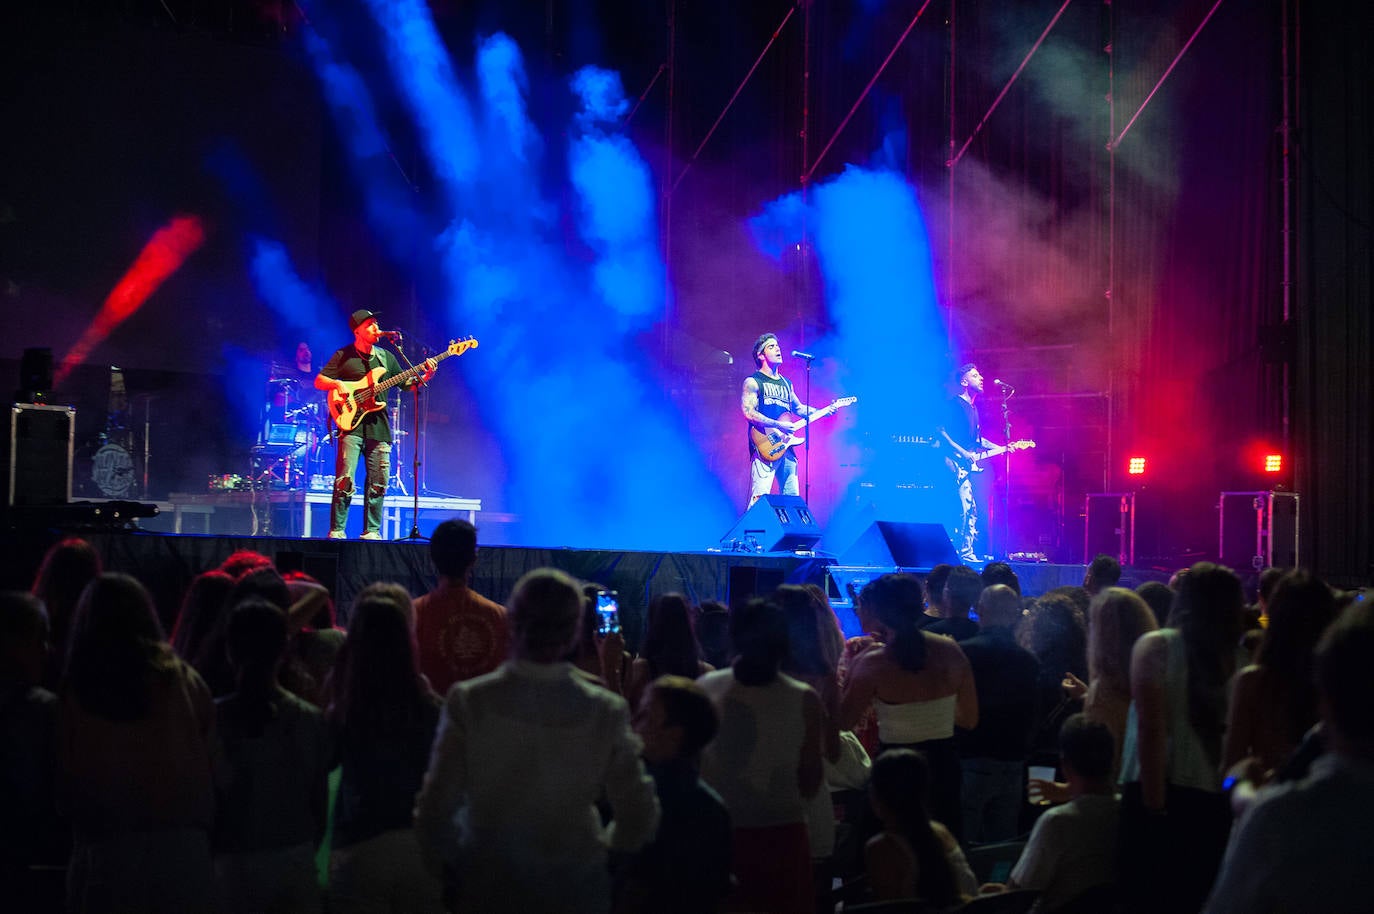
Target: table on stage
180 504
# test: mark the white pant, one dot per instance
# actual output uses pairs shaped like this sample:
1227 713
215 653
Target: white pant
762 473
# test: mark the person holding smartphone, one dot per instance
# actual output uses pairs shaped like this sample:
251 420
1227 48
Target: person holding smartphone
600 648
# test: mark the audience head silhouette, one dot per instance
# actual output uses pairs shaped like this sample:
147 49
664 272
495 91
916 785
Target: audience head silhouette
545 609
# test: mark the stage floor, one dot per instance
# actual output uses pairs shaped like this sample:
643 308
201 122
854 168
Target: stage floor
167 563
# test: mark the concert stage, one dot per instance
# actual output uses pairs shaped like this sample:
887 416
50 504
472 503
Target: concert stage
167 563
292 512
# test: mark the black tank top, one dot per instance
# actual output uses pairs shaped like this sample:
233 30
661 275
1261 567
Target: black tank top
775 398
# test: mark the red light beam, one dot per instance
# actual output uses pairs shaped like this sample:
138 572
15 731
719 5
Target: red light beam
162 256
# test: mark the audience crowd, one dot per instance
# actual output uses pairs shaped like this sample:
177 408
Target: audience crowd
442 751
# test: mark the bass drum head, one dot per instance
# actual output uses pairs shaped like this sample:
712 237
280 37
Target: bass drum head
112 472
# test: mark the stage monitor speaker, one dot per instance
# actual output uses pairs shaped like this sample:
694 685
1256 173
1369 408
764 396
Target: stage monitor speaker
903 545
776 523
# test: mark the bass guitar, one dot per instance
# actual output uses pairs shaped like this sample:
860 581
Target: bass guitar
987 453
348 406
774 442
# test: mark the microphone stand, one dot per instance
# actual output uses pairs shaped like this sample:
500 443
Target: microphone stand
1006 475
806 445
414 533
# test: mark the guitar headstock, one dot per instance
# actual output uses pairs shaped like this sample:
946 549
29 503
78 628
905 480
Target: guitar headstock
1020 445
844 401
460 346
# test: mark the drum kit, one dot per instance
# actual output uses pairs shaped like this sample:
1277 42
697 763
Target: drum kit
290 452
108 464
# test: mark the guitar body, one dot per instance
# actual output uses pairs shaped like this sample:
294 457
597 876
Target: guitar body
772 444
348 407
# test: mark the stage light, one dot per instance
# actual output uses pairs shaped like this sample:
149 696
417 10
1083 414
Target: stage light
162 256
1136 466
1273 463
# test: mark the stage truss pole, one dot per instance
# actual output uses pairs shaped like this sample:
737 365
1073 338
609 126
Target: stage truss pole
738 89
864 94
949 221
1116 140
805 259
1111 241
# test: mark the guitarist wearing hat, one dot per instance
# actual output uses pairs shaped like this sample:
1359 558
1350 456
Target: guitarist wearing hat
370 437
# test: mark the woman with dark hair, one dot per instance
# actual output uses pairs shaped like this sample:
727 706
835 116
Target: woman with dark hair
713 633
670 646
134 743
206 600
1175 817
315 638
1274 701
276 754
919 684
813 655
68 566
765 762
211 659
601 656
1054 630
384 716
913 856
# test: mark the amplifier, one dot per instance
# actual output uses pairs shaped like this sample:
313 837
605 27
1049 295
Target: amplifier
39 444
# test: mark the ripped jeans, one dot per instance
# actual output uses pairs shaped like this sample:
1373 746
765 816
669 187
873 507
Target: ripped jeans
377 455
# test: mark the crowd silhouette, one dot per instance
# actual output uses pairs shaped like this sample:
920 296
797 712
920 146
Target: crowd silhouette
449 752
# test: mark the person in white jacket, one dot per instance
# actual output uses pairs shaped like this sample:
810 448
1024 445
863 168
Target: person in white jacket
520 759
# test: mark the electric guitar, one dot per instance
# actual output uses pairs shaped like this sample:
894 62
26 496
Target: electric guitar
974 465
772 444
348 406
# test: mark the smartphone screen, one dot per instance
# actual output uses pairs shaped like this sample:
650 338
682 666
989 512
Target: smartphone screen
608 611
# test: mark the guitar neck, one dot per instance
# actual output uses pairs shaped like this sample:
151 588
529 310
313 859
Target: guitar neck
409 373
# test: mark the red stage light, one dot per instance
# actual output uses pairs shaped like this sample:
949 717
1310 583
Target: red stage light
1136 466
1273 463
162 256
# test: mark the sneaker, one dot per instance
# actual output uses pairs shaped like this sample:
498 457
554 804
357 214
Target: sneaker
370 535
336 534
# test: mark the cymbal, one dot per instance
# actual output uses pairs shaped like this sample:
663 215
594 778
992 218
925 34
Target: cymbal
283 381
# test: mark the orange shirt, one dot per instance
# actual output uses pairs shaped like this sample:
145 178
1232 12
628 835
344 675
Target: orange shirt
460 634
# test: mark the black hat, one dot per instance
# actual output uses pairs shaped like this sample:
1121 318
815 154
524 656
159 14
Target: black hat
359 317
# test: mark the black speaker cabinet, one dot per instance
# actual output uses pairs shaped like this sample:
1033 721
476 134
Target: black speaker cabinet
747 581
38 454
903 545
776 523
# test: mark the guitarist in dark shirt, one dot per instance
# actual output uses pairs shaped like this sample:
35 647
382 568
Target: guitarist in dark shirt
371 436
960 432
767 402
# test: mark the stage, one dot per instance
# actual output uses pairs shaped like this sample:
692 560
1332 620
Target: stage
166 564
292 512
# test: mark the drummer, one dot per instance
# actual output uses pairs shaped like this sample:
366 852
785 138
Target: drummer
294 398
294 401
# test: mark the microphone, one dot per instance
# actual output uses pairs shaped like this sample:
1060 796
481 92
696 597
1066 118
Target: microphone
389 334
798 354
998 382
